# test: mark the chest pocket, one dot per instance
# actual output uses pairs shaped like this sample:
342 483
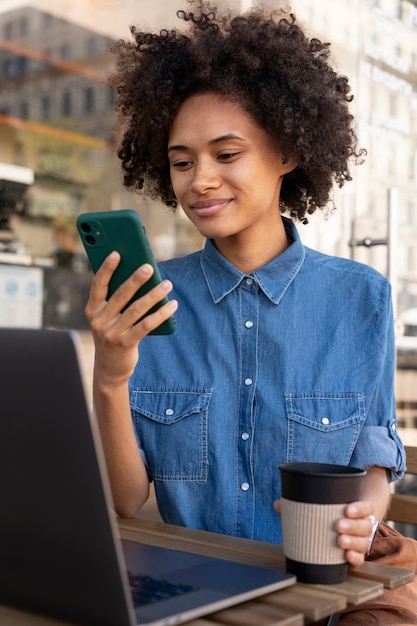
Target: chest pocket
172 430
323 427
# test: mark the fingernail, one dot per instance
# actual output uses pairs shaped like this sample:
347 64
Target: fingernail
166 285
145 269
353 510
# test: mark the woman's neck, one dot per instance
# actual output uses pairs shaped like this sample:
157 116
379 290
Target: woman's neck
248 251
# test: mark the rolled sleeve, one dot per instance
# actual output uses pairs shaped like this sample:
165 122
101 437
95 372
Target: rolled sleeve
381 446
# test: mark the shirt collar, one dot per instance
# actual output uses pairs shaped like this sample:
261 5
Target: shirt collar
273 278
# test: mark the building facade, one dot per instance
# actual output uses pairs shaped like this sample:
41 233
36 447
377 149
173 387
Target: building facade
56 116
56 113
375 43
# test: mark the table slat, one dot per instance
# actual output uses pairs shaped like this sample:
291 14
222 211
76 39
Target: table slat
203 622
255 612
203 542
10 616
390 577
356 590
315 603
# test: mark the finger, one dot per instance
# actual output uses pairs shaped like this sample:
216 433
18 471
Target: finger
139 310
125 292
359 509
355 527
277 506
355 538
153 320
358 543
126 334
140 306
100 283
355 559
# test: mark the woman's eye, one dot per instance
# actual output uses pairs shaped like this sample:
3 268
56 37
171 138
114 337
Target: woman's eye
181 164
226 156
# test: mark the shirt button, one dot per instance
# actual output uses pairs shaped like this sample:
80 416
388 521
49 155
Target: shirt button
394 427
244 486
245 436
248 381
325 421
169 412
249 281
248 324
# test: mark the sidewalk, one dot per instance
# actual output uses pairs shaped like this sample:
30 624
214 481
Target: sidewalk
86 356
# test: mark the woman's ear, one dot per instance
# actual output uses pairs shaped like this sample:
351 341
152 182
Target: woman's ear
289 164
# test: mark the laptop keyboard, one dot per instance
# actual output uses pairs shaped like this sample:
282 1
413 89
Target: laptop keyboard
146 589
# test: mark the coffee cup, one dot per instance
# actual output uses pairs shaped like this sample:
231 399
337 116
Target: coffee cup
314 497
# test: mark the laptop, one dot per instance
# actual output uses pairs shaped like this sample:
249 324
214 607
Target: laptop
60 553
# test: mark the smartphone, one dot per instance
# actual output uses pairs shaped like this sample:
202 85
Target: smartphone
123 231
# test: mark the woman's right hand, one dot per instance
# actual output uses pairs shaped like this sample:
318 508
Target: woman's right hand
116 335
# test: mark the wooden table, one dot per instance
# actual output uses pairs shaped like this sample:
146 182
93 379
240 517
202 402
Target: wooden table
293 606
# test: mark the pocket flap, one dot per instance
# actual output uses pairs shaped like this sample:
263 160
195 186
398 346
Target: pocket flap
326 412
167 407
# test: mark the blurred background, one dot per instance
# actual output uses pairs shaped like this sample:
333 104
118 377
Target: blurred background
57 159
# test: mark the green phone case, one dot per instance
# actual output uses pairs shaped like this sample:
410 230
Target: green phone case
123 231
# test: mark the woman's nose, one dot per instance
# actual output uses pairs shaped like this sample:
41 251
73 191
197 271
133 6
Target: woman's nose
205 177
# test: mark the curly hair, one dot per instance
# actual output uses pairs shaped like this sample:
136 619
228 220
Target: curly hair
261 60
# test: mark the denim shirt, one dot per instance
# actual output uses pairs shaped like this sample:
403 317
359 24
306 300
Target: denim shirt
292 362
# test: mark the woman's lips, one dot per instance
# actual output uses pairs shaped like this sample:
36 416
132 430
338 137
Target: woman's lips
207 208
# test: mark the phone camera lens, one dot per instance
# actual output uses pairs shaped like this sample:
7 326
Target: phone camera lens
90 240
85 227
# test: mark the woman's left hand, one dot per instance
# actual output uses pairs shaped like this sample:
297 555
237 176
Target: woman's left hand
356 527
356 531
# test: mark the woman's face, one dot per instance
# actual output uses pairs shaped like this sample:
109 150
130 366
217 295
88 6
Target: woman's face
225 170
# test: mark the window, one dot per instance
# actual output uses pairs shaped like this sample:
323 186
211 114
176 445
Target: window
65 51
49 55
92 46
46 107
9 68
23 26
411 164
47 20
391 161
411 260
66 104
23 65
89 99
111 97
410 214
399 11
24 111
8 31
393 104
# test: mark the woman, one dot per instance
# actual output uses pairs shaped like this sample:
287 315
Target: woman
281 353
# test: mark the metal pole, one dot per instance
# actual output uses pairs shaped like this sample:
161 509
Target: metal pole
393 203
